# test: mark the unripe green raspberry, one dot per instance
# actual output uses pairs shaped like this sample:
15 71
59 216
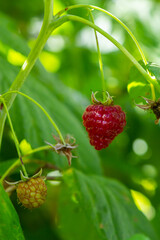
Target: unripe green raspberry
32 193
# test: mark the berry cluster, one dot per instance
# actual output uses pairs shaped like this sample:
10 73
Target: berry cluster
103 123
32 193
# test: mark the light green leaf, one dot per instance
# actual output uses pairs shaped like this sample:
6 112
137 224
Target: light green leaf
102 207
154 69
138 86
9 222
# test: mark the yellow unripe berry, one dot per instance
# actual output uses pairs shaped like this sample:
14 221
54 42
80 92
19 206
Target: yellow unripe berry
32 193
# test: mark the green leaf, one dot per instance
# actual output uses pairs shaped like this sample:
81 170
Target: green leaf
102 207
9 37
156 221
139 237
9 222
5 165
154 69
31 124
138 85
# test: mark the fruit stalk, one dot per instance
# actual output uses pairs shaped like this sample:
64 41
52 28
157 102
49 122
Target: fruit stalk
117 44
44 111
31 59
100 59
15 138
25 160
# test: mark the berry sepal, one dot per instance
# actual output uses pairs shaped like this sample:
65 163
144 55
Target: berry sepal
151 105
64 149
24 178
107 102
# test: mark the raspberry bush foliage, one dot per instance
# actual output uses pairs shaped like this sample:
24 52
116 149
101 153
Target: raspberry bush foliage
76 163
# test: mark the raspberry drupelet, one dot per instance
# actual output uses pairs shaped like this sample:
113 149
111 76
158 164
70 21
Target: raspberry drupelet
103 123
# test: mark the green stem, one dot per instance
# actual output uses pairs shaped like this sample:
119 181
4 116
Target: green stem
122 24
43 110
15 165
33 55
49 24
100 59
14 137
45 32
43 148
17 162
153 91
109 14
9 170
117 44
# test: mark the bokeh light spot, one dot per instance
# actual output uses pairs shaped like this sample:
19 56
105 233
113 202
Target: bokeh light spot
15 58
50 61
140 147
150 171
143 204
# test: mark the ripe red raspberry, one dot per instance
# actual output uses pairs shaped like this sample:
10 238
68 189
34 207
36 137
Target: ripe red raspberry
103 123
32 193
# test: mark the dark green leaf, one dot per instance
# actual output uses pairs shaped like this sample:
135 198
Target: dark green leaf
9 38
103 208
5 165
139 237
31 124
9 222
156 221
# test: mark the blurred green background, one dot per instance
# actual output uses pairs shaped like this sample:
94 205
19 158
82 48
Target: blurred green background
68 66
